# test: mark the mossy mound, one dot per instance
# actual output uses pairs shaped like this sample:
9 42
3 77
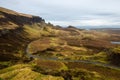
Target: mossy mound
24 72
49 65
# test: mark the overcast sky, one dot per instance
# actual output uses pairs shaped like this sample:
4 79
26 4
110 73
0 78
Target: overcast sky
70 12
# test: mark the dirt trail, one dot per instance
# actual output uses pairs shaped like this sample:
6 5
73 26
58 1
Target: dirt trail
28 54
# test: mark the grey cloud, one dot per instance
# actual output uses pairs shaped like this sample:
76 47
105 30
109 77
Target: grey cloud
69 11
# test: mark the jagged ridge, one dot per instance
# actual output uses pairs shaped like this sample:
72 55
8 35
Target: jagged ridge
10 19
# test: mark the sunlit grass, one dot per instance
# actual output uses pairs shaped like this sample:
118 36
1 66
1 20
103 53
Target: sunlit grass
24 72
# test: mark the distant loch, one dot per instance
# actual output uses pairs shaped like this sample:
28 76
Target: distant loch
115 42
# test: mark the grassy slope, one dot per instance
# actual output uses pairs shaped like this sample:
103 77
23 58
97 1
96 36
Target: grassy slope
24 72
107 73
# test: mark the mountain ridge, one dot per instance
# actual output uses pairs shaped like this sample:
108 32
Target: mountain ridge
10 19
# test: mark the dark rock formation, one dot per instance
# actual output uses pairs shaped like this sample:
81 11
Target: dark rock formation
13 38
10 19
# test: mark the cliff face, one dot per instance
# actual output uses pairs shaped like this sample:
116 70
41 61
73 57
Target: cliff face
10 19
14 34
19 19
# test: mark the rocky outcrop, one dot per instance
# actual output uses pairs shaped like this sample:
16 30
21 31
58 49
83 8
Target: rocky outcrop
10 19
13 37
19 19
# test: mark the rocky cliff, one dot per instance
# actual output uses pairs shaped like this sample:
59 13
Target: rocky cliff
10 19
14 33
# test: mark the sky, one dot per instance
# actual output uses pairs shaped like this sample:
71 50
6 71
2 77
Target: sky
70 12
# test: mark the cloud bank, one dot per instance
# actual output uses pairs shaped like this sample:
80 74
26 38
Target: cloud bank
70 12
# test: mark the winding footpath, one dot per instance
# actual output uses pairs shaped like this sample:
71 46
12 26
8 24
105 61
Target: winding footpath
28 54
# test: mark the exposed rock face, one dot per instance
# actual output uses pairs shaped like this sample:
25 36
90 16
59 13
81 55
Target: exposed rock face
12 34
10 19
20 20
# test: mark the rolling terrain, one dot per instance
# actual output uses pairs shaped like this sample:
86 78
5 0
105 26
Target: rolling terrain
31 49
